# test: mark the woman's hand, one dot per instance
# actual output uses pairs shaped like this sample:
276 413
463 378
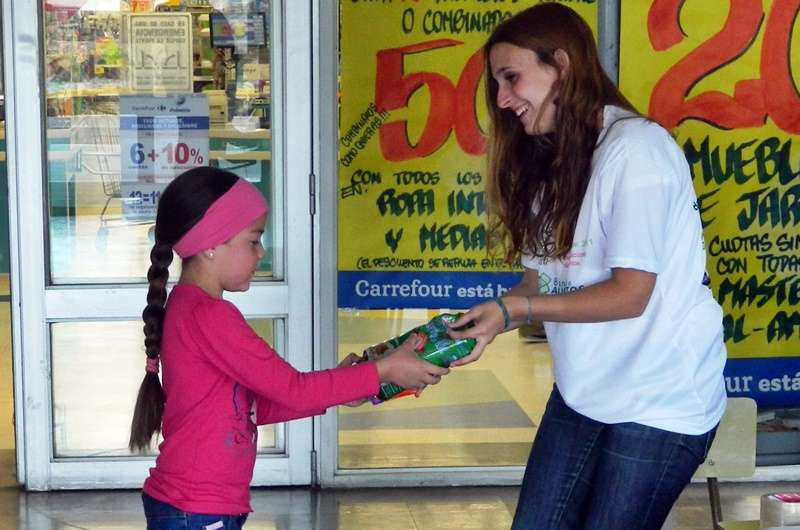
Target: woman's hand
403 367
488 322
350 360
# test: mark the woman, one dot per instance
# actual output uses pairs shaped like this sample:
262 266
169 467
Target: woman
598 203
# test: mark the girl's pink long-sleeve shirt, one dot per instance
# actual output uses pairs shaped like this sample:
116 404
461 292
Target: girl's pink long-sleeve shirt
216 372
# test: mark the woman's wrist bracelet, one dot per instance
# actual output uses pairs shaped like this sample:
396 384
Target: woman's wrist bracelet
504 309
529 320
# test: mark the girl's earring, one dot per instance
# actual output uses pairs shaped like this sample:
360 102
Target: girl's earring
210 254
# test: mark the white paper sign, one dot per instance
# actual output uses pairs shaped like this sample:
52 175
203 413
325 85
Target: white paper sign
160 52
160 137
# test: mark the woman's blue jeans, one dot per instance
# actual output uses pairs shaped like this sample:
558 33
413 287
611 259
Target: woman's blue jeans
587 475
162 516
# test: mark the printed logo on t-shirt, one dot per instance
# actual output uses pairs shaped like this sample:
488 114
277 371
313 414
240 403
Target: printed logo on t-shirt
243 430
548 285
582 244
577 253
573 259
544 283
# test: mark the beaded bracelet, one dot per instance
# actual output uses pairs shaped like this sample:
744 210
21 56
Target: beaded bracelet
506 318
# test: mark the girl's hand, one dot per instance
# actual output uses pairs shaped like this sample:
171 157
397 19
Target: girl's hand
350 360
404 368
487 320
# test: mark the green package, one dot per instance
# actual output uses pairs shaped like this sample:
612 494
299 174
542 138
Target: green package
437 348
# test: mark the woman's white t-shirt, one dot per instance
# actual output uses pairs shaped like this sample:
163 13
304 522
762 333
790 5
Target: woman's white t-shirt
664 368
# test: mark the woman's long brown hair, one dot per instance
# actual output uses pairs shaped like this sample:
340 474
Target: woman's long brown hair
536 183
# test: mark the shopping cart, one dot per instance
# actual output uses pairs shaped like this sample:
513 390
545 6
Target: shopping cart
100 132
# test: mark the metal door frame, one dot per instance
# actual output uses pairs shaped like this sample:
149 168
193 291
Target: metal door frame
36 305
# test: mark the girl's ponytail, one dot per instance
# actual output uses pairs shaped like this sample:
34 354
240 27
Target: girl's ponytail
150 402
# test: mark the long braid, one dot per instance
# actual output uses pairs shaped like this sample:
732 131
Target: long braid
153 314
150 401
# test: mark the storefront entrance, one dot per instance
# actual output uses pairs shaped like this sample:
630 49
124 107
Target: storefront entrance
106 137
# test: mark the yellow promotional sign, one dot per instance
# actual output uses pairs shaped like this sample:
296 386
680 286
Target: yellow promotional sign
412 152
719 75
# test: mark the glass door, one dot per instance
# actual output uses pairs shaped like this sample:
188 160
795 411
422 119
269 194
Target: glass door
410 164
133 93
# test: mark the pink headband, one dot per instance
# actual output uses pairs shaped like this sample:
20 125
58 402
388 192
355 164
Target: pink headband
226 217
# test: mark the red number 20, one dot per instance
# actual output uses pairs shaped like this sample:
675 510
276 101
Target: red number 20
774 94
451 107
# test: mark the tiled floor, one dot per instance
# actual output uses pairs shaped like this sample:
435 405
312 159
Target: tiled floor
486 508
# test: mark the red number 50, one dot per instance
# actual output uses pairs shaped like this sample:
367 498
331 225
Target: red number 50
451 107
773 94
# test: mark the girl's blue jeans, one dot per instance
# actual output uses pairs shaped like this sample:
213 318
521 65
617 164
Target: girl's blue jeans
162 516
587 475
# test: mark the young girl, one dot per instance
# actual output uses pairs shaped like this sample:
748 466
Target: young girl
598 203
217 371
